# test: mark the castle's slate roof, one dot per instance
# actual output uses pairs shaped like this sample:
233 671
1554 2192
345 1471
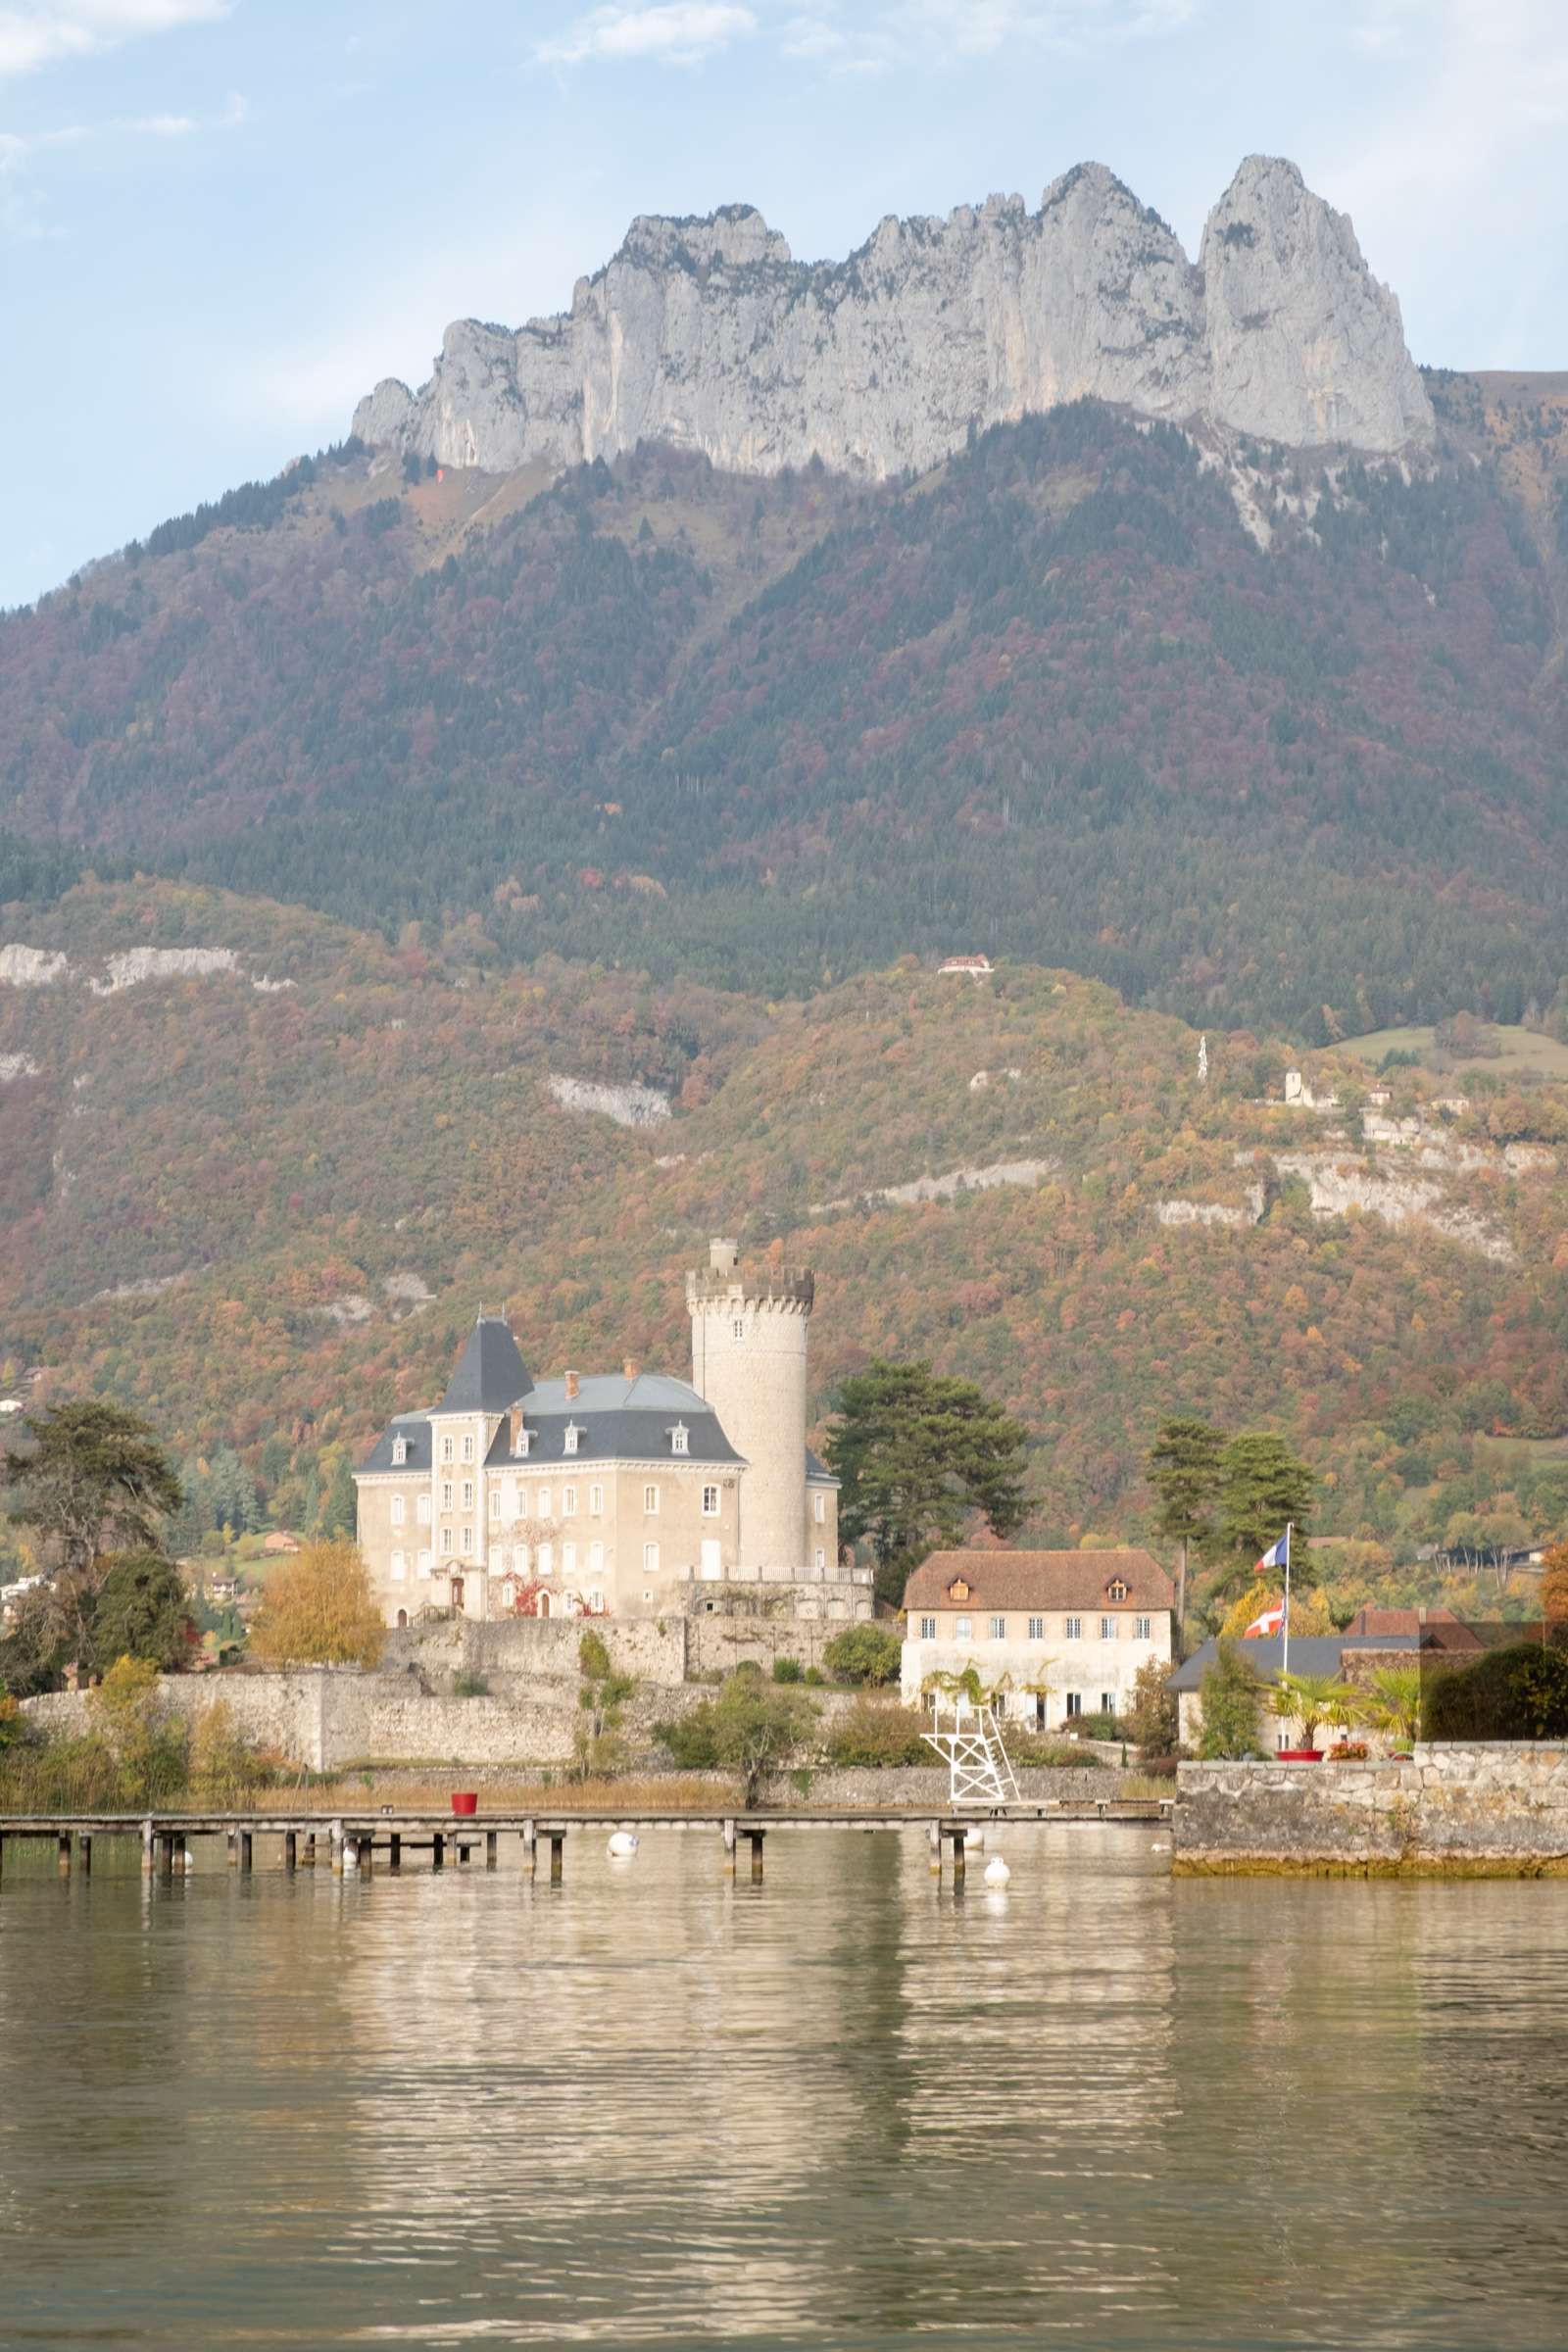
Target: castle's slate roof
1310 1653
617 1419
415 1430
817 1472
490 1373
1040 1580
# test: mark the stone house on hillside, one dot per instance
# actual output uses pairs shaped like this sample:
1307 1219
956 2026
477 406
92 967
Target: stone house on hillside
1054 1635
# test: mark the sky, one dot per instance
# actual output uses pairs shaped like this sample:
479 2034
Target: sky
222 221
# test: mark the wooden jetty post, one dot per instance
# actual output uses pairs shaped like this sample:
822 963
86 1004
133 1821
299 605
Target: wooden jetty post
149 1850
756 1837
291 1851
64 1850
438 1850
394 1851
729 1845
531 1841
558 1846
959 1833
166 1853
245 1851
489 1849
85 1849
337 1849
233 1844
933 1838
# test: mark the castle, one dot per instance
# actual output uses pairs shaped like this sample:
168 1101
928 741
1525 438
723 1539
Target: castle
616 1492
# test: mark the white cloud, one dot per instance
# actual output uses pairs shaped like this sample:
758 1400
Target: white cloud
676 32
35 33
927 32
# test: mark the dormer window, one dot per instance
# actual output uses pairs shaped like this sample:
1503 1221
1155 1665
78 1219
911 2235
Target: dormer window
1115 1589
400 1452
681 1439
524 1440
573 1433
957 1589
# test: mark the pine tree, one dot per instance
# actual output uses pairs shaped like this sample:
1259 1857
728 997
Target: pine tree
1184 1470
1264 1489
917 1454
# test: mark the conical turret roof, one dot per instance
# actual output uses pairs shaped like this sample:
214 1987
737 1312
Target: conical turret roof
490 1374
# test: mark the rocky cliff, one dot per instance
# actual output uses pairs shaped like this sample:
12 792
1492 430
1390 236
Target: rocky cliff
708 336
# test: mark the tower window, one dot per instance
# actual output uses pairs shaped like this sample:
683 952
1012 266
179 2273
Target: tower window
468 1449
397 1510
819 1507
400 1452
596 1503
737 1330
446 1449
709 1503
446 1493
650 1499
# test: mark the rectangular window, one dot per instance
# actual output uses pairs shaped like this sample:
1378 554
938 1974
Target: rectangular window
571 1438
400 1452
650 1501
928 1628
467 1539
397 1510
544 1502
400 1568
1075 1703
1108 1628
596 1559
520 1558
569 1559
1075 1629
963 1627
495 1502
547 1559
1143 1630
446 1539
446 1449
468 1449
709 1503
1107 1702
819 1507
650 1559
446 1493
523 1502
822 1557
422 1510
568 1502
467 1493
424 1563
1037 1629
998 1629
737 1330
596 1503
679 1439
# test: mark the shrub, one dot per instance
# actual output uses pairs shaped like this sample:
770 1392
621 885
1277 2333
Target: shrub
1520 1693
749 1728
788 1670
1229 1694
1100 1726
815 1676
690 1738
1031 1748
472 1685
868 1654
225 1765
880 1735
1152 1719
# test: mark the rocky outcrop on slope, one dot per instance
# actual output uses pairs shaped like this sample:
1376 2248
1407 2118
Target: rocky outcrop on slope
708 334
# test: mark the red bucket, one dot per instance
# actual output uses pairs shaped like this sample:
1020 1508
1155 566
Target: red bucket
465 1803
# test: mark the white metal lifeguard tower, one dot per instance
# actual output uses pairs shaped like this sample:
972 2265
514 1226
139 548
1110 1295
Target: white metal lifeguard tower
967 1736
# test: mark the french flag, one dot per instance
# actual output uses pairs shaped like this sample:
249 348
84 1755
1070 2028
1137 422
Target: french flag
1278 1555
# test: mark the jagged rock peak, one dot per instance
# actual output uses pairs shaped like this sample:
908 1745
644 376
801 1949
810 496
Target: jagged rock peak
706 332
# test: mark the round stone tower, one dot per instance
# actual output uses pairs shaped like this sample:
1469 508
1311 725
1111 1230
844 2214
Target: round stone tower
749 1331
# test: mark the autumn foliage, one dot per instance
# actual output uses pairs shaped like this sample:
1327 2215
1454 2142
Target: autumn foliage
320 1610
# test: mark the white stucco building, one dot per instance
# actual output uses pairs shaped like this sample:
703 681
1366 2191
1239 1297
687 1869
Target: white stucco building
1052 1635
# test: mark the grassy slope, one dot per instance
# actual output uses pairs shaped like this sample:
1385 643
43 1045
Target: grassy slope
1522 1049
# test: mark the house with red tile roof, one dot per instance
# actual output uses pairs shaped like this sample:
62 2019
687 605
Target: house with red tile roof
1052 1635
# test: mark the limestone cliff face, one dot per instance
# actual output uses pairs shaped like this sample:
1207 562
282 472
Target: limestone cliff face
708 334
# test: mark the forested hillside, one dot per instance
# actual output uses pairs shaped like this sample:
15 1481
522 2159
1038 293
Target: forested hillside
259 1171
1057 700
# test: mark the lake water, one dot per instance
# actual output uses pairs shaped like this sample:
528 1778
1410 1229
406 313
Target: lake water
845 2107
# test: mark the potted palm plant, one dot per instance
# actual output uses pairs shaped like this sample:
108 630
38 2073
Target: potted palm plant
1393 1702
1307 1699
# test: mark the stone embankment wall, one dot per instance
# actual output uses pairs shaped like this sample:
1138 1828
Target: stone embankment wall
521 1650
1486 1808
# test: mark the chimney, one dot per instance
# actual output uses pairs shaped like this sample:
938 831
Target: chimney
514 1417
571 1388
723 1257
629 1368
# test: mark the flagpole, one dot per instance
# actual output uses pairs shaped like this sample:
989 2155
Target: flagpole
1285 1665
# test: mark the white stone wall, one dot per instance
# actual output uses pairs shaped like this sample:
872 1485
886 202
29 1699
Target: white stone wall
1090 1667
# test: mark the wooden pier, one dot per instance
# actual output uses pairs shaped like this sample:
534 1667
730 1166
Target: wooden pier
353 1842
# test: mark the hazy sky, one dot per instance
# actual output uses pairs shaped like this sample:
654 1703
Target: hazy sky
223 219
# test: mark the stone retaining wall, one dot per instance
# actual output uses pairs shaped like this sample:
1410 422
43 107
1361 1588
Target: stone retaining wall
1486 1808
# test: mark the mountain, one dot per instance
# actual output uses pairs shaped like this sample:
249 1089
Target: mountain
706 334
1261 740
258 1171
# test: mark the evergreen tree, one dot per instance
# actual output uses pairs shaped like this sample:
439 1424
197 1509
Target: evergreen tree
142 1611
90 1480
1229 1696
1184 1470
1263 1488
338 1506
917 1454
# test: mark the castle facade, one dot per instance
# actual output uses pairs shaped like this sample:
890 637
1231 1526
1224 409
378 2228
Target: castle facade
614 1493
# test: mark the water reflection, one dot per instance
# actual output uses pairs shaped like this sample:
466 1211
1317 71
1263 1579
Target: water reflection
654 2105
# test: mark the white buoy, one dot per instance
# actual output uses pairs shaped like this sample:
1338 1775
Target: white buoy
622 1845
997 1872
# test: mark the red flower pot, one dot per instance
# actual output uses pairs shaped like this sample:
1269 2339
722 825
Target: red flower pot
1300 1755
465 1803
